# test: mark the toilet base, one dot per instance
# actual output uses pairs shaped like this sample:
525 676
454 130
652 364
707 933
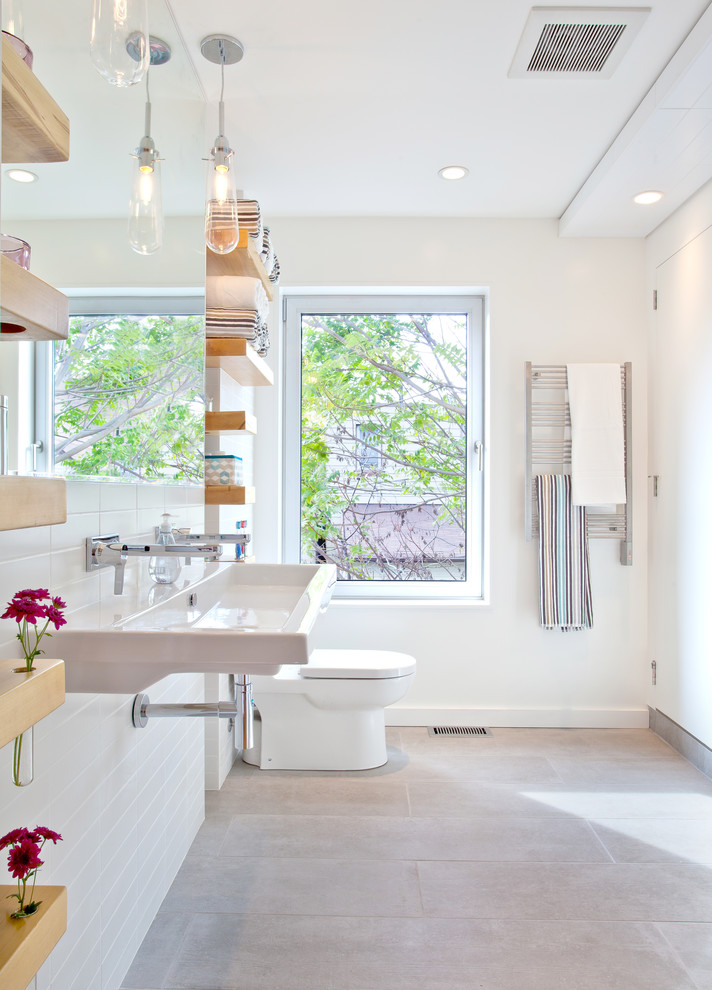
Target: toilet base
338 740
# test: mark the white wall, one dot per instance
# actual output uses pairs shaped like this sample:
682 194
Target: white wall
127 801
679 258
551 300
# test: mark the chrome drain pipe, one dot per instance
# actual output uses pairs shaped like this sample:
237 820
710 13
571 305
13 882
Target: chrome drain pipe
243 690
238 710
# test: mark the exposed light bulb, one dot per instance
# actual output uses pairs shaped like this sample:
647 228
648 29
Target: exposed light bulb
145 205
222 230
119 42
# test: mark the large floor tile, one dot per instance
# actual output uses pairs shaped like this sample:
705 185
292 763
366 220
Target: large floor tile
556 891
585 744
158 952
693 945
299 795
636 775
531 799
467 798
295 886
650 840
473 799
343 837
225 952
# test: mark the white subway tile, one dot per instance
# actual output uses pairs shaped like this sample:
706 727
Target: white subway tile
78 527
15 575
118 496
83 496
151 496
21 543
122 522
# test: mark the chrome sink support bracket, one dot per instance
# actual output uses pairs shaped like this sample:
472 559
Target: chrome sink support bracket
239 708
95 561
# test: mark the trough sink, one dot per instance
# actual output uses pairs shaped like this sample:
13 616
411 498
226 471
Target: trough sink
225 618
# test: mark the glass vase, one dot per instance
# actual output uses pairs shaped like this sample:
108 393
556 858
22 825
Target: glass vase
23 752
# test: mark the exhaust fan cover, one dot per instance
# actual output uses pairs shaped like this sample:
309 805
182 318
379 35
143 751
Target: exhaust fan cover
575 42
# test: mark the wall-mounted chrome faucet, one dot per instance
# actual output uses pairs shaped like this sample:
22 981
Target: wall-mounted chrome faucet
182 537
109 551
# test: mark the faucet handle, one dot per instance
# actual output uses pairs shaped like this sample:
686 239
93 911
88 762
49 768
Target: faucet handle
92 544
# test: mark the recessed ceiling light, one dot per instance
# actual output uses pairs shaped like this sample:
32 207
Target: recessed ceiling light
21 175
453 172
646 198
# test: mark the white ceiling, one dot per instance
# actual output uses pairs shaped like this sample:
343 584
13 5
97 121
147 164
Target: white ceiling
350 109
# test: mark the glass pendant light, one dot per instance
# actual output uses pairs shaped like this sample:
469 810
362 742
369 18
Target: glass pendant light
221 223
145 204
119 43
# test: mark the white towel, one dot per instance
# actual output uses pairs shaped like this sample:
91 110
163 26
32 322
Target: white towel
236 292
597 447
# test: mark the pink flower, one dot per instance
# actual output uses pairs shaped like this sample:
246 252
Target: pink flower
55 616
17 835
24 858
58 603
30 593
46 833
25 608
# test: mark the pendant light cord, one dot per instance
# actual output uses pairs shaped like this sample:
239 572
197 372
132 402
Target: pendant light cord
221 105
148 105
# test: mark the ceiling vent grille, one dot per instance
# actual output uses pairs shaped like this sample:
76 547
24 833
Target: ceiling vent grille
586 42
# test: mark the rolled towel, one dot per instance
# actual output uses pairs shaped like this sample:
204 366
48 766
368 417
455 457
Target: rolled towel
250 217
233 323
236 292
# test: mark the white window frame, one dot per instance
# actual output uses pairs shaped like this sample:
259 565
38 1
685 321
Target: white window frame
474 304
99 302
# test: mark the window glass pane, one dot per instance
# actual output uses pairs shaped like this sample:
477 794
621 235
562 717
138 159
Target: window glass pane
384 445
129 399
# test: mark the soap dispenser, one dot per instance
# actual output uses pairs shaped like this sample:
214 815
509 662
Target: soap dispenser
165 570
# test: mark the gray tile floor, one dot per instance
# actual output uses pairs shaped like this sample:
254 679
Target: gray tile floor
534 859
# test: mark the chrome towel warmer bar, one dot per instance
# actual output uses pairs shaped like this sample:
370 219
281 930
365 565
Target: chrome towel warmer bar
548 451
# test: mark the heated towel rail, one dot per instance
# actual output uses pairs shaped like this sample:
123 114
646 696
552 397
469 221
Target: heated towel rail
548 451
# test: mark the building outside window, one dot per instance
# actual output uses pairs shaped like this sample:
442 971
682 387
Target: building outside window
384 402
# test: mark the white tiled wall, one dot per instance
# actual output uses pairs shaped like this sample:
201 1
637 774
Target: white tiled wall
127 801
225 394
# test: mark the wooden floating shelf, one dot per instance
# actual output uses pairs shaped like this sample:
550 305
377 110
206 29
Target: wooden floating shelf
244 260
230 422
31 304
238 359
229 495
25 699
34 128
26 502
25 943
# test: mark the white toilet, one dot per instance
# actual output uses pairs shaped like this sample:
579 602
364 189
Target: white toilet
328 714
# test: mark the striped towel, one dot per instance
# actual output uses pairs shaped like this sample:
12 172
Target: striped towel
564 579
248 210
233 323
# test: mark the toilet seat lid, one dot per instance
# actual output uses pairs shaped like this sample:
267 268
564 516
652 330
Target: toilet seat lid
364 664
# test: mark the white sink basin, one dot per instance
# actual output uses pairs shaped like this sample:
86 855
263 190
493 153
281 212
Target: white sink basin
242 619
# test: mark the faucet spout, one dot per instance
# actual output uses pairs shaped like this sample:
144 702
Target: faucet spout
110 551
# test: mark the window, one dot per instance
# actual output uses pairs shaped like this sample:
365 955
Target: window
384 400
123 397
